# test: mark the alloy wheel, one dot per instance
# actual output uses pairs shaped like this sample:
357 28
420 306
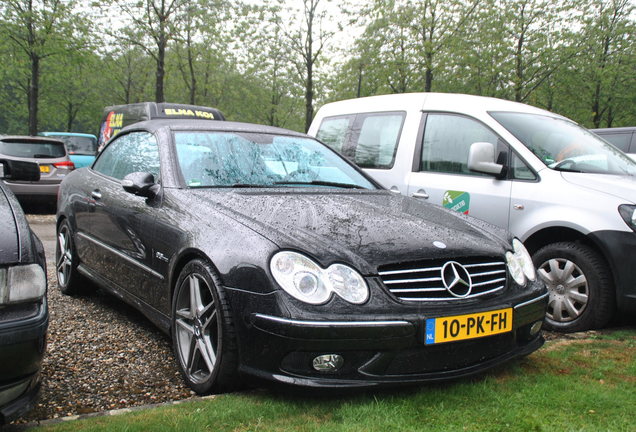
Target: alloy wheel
196 328
64 256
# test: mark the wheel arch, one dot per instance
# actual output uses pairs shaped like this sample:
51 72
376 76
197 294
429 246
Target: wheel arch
181 261
556 234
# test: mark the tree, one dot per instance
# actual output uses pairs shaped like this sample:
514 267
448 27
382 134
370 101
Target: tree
154 23
308 40
611 49
39 29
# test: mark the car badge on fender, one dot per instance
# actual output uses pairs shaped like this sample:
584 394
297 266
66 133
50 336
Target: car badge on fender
456 279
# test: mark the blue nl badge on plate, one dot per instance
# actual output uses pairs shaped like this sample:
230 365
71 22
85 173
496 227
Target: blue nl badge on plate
430 331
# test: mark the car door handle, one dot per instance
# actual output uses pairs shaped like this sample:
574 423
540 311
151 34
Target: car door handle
420 194
96 195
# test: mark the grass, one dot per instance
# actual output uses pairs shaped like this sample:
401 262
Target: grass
569 385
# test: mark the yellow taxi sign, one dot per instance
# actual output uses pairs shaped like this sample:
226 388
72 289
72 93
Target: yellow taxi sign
470 326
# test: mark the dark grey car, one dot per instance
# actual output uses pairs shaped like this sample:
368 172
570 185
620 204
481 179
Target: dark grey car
50 154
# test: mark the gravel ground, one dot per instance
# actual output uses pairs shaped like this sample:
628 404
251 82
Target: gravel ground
102 354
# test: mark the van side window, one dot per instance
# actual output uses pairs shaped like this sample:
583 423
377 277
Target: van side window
333 131
520 170
369 139
376 140
447 140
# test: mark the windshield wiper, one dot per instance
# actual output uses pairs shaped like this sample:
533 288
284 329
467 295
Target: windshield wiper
323 183
43 156
247 185
566 170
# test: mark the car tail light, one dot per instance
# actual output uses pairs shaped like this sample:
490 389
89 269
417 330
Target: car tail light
65 165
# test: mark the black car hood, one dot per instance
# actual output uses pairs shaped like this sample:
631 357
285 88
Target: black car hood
9 238
364 228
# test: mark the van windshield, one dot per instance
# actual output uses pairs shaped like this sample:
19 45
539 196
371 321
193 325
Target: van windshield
564 146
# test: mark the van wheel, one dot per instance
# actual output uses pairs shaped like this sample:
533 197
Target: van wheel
580 287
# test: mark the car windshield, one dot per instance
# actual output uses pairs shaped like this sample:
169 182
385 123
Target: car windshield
79 145
34 150
564 146
237 159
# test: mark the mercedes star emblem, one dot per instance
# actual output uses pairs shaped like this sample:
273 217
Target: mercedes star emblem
456 279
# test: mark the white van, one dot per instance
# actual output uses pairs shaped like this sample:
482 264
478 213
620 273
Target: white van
568 195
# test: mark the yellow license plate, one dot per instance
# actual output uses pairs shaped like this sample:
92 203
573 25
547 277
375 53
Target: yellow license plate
45 168
460 327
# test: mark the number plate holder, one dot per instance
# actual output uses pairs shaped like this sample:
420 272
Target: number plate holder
469 326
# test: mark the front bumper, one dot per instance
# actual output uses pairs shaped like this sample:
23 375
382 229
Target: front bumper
22 347
382 351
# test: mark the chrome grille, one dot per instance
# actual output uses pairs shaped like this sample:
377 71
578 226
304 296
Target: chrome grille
422 281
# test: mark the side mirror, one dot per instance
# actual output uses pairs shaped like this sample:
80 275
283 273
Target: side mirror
481 158
141 184
19 170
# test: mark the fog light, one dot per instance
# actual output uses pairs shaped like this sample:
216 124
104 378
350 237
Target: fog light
328 362
535 328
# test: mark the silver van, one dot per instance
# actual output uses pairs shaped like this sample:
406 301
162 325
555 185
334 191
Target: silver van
569 196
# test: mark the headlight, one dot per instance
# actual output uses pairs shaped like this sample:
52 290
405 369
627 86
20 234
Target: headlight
628 213
520 264
22 283
524 259
514 267
305 280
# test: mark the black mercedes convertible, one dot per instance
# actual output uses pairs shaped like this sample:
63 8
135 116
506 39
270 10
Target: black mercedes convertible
266 254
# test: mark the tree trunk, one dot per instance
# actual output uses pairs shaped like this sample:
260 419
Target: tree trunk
33 93
161 60
309 97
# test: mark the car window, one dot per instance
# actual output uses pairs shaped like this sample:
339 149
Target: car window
563 145
220 159
333 131
133 152
34 150
79 145
376 141
620 140
521 171
447 140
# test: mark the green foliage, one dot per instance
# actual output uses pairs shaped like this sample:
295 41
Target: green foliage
261 62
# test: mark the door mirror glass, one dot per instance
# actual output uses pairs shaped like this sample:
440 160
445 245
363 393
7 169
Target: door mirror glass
481 158
140 184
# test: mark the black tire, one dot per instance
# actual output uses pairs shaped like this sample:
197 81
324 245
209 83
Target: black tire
204 340
580 286
68 278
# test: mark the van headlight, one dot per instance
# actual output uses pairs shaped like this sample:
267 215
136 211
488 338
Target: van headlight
520 263
628 213
306 281
22 283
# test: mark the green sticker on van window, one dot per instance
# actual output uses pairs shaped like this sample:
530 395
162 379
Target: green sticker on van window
458 201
